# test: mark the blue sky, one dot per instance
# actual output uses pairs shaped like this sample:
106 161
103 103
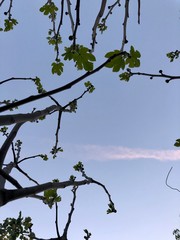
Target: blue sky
123 132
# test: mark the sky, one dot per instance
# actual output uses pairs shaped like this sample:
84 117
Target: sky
123 132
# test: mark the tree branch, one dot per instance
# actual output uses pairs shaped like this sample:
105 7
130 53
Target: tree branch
64 236
70 15
98 18
60 89
15 79
14 194
27 117
152 75
126 16
139 11
5 147
77 22
10 179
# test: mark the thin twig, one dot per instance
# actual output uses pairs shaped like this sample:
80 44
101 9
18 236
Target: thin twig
70 15
126 16
176 189
27 158
9 10
61 18
56 222
16 78
1 2
77 22
160 75
25 174
96 23
139 10
64 236
16 162
111 7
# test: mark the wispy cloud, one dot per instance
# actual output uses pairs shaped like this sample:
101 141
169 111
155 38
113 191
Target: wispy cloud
108 153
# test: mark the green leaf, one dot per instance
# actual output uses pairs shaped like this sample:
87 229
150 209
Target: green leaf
133 58
57 68
125 76
54 40
79 167
51 197
173 55
49 8
44 157
177 143
116 63
39 86
81 55
9 24
89 86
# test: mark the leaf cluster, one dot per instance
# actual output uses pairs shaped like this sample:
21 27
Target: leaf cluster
55 150
9 24
20 228
51 197
176 233
90 87
79 167
111 208
173 55
122 60
39 86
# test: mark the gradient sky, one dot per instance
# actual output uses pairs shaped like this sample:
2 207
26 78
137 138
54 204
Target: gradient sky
123 132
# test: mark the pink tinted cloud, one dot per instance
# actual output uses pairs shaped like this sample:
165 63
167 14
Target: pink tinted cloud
107 153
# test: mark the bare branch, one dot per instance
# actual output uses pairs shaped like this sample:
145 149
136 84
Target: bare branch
176 189
25 174
27 117
77 22
56 221
61 18
167 77
111 7
10 179
70 15
139 10
2 1
97 21
126 16
70 213
7 169
15 79
27 158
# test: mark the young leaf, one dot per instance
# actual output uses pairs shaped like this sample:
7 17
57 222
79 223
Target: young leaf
177 143
81 56
49 8
133 58
9 24
116 63
57 68
125 76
